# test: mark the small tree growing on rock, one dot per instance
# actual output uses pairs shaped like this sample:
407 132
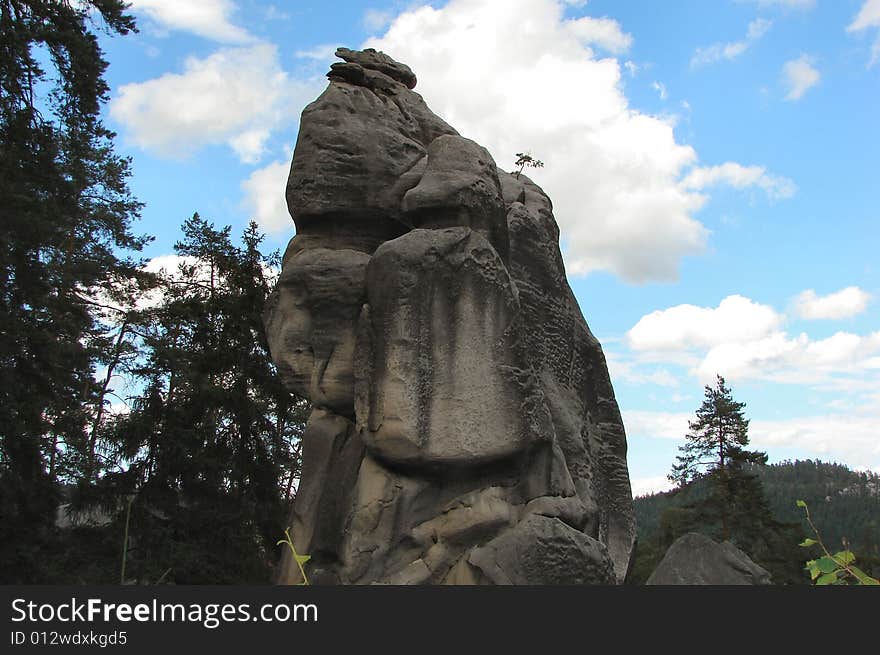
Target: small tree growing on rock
524 159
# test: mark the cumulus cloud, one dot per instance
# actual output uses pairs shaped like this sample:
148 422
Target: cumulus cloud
376 19
740 177
850 437
868 18
736 320
718 51
620 369
613 172
799 75
841 304
602 32
797 359
235 96
264 197
741 339
208 18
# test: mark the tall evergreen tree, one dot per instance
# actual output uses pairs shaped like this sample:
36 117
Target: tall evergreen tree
211 443
715 472
717 438
715 447
67 214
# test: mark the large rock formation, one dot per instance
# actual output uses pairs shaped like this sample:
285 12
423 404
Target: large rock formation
464 427
695 559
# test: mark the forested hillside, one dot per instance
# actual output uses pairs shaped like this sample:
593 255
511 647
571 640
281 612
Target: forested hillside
844 504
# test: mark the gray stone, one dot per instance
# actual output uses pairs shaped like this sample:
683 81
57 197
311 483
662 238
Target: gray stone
446 385
543 551
571 366
311 320
332 457
695 559
459 187
361 146
465 430
378 61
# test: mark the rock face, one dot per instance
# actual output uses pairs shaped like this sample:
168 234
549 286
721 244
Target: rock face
695 559
464 428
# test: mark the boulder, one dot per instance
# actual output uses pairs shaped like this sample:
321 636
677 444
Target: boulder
695 559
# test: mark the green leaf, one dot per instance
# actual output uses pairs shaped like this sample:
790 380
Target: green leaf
862 577
827 565
845 557
806 543
814 571
828 578
800 503
302 559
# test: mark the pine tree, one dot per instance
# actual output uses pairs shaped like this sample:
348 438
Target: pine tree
721 495
211 443
716 448
717 438
66 222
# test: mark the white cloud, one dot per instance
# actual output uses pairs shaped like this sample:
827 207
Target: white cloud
841 304
273 13
736 320
612 171
779 357
376 19
321 52
659 425
235 96
718 51
602 32
740 177
799 76
851 437
207 18
652 485
660 88
265 197
620 369
867 18
741 339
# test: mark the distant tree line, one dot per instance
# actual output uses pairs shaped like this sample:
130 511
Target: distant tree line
844 504
126 397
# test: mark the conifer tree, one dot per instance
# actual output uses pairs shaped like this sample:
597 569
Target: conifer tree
66 224
715 448
212 440
717 439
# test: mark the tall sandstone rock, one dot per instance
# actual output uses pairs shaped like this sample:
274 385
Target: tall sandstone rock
464 428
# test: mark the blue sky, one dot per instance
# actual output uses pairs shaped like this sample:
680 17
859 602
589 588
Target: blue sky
713 166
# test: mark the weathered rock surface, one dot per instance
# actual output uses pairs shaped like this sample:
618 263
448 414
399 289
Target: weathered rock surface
464 428
695 559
